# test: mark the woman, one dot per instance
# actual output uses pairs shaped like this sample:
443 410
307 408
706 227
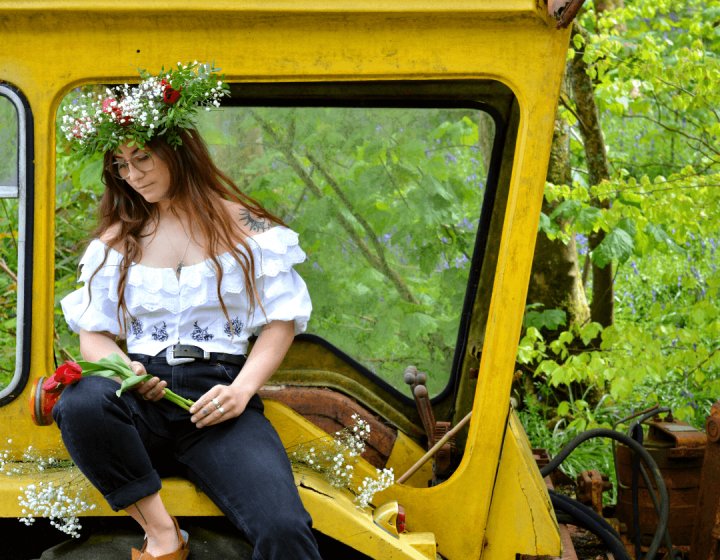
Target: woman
184 268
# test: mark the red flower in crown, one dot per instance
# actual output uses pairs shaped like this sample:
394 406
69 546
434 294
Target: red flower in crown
170 95
67 374
80 127
111 106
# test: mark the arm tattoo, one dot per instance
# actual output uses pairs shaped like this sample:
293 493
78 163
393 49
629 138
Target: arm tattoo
253 223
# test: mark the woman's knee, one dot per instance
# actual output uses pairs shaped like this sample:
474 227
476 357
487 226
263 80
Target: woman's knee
87 400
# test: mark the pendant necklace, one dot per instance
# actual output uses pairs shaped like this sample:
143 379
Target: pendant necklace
181 262
179 267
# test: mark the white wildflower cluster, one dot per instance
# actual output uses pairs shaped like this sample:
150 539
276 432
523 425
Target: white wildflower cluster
370 486
60 498
336 458
50 500
160 104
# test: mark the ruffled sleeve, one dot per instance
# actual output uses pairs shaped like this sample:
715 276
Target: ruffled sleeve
283 293
91 307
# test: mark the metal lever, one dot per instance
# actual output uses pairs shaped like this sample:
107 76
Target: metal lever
416 379
433 429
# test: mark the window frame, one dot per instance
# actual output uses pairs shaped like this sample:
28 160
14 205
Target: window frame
24 193
492 97
430 94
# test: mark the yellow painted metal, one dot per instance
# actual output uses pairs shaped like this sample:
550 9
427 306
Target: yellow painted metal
49 47
520 505
404 454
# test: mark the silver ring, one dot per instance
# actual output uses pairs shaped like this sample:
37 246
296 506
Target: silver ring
221 410
216 402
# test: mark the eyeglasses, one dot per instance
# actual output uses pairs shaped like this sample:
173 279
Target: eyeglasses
141 161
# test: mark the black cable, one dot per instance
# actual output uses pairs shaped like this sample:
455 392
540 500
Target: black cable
664 506
587 518
636 432
599 519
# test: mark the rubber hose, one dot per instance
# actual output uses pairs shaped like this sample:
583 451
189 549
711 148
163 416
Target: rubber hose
664 512
588 519
636 432
599 519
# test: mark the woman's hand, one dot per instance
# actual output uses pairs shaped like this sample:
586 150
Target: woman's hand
220 403
223 402
151 390
97 345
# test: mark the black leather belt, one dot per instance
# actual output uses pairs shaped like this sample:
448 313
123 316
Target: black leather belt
184 354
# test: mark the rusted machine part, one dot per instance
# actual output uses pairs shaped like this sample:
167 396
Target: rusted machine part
443 460
678 450
332 411
590 487
706 537
443 465
564 11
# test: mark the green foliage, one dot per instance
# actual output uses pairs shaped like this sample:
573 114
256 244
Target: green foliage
8 139
655 67
539 318
387 203
552 427
78 191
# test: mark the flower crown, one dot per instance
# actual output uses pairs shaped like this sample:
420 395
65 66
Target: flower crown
158 105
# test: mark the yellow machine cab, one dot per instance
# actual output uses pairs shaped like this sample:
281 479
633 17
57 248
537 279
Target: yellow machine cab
407 143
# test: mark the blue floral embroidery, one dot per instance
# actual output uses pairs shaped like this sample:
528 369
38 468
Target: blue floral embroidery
136 327
201 335
234 327
160 332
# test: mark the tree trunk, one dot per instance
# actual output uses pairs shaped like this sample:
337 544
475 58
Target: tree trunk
605 5
602 306
555 278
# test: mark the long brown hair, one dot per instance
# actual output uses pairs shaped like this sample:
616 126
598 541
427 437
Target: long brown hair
197 187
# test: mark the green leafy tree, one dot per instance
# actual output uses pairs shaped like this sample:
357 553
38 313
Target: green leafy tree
653 66
387 202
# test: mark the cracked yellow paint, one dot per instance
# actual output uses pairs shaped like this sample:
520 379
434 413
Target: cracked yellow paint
520 504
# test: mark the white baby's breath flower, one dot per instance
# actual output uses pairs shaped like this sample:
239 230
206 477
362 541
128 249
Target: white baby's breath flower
371 486
61 501
336 457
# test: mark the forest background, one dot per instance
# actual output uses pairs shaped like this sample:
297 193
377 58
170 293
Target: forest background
623 303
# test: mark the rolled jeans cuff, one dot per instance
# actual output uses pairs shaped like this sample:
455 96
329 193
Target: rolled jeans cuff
133 491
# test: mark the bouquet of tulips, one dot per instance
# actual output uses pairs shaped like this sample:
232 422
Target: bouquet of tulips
68 373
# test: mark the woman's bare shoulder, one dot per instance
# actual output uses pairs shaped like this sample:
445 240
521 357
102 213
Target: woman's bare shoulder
248 221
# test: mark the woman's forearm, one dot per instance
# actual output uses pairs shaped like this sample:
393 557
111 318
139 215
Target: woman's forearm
96 345
266 356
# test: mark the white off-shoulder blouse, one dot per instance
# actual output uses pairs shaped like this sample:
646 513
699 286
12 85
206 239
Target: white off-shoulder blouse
168 310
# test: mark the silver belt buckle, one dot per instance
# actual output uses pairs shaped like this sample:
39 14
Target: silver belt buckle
172 360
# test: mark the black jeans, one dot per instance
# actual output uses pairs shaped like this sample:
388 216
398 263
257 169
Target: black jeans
124 445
